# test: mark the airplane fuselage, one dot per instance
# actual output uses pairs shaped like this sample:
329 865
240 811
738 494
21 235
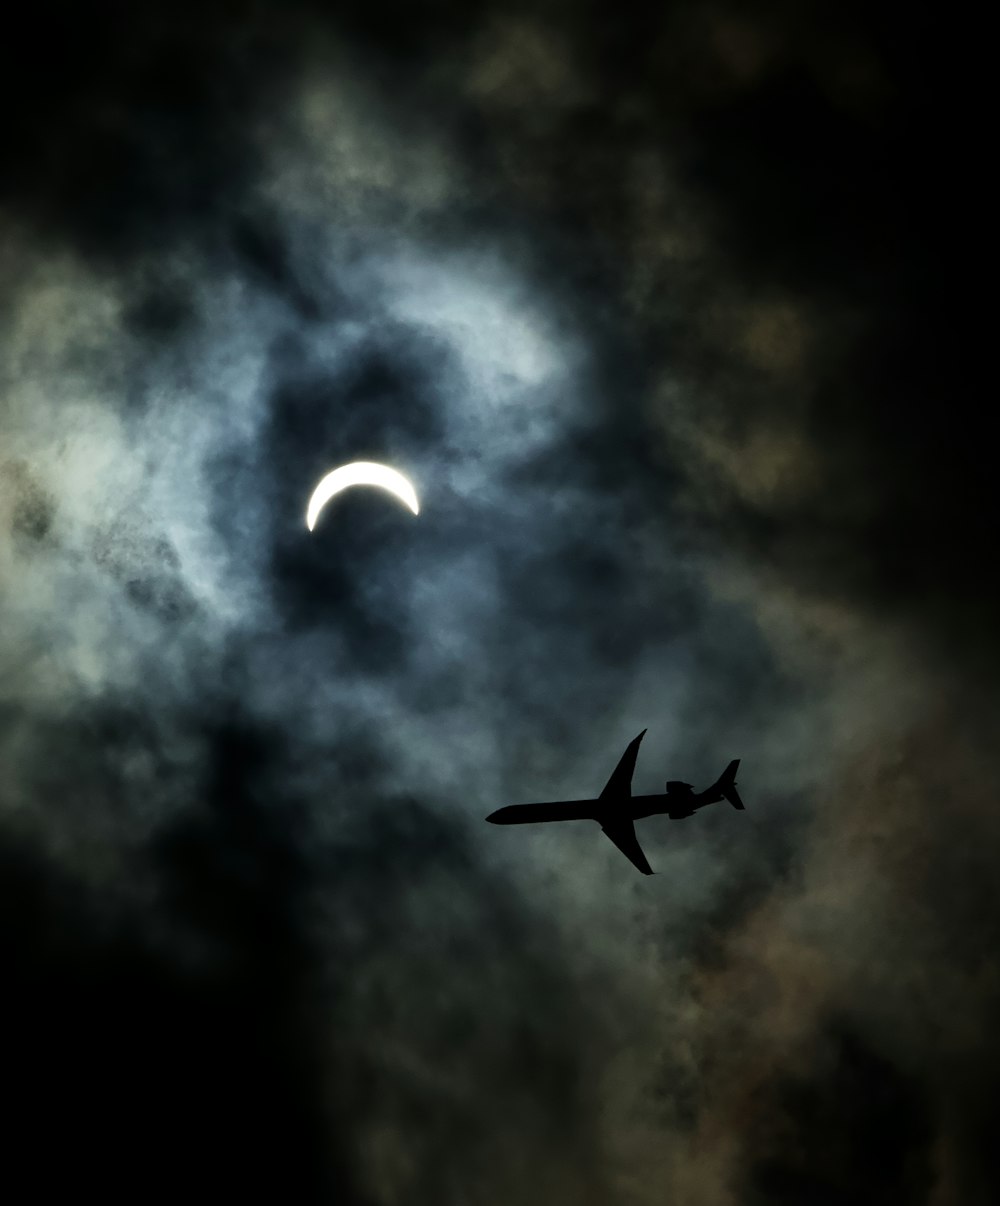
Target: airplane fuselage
634 807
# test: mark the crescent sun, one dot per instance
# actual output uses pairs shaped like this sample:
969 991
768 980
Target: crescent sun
360 473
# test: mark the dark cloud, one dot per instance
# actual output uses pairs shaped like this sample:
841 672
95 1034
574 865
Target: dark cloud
855 1130
659 310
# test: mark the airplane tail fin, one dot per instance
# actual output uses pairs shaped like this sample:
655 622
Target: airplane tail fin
727 785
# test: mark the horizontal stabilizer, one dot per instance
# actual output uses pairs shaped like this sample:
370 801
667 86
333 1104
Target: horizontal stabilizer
727 785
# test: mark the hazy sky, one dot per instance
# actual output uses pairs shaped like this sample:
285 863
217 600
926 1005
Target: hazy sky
660 312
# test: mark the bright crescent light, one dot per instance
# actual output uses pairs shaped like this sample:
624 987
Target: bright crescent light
360 473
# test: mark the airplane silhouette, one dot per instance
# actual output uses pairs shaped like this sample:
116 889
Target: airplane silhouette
616 808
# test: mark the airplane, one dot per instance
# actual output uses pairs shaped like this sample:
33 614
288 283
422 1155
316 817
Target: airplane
616 808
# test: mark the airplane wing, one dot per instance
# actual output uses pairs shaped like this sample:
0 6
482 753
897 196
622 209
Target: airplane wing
622 833
620 783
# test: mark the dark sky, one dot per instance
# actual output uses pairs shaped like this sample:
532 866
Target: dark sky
664 312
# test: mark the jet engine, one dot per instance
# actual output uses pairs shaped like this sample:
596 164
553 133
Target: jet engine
676 788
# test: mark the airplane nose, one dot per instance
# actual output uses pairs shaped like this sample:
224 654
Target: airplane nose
496 818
